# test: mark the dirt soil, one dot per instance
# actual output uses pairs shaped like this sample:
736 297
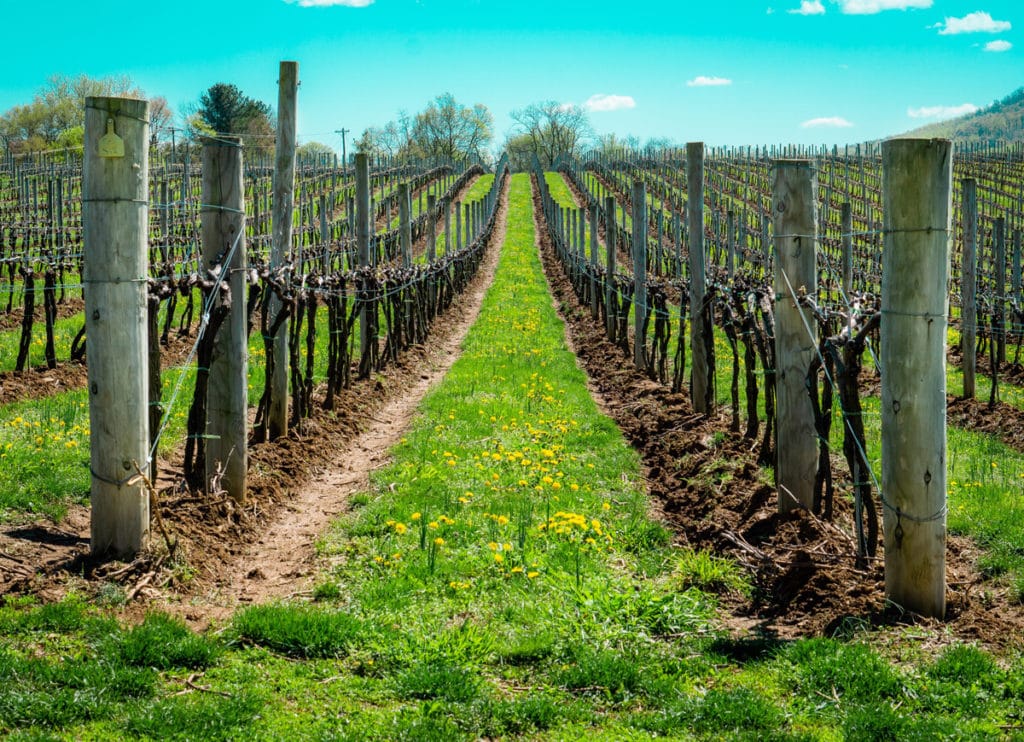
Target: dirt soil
708 488
226 555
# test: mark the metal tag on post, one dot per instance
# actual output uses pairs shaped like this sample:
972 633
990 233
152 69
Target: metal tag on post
111 145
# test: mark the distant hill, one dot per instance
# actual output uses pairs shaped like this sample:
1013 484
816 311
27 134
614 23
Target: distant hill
1000 123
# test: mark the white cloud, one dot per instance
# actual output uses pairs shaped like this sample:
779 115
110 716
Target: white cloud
330 3
870 7
602 102
977 22
704 81
835 122
998 46
808 7
941 112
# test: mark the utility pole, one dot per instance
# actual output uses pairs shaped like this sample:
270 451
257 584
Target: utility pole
344 158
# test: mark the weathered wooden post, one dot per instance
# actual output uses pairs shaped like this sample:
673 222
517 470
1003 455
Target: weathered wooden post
405 224
639 197
999 314
702 389
595 305
364 220
431 234
609 285
458 225
847 229
969 288
281 244
917 206
115 224
447 225
794 201
223 232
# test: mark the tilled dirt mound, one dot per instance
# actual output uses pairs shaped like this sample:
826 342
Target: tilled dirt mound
707 485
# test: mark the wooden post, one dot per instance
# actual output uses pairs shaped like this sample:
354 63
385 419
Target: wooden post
639 196
917 206
458 225
364 220
115 225
794 201
405 224
281 244
595 307
847 228
609 286
730 255
701 370
447 225
431 235
999 257
223 231
969 288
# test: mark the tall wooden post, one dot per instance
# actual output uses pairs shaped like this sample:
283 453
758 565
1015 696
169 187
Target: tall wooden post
458 225
281 244
364 220
917 206
223 231
999 258
595 305
969 287
702 387
639 196
405 224
609 285
447 225
794 201
115 223
431 234
847 229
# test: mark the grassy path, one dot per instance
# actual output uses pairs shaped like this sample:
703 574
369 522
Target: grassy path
500 579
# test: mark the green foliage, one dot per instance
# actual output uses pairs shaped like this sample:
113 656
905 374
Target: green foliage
297 630
163 642
438 679
195 716
849 673
710 573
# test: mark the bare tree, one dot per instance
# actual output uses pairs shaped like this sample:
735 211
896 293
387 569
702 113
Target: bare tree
555 129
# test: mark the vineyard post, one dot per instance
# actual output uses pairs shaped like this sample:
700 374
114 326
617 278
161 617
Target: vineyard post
595 308
730 261
701 381
969 287
447 225
1015 267
847 229
458 225
639 197
609 282
405 224
468 221
794 201
917 207
431 233
281 245
325 235
223 235
115 224
364 220
999 249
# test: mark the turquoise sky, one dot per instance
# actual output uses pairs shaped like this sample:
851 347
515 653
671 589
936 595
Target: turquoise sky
741 72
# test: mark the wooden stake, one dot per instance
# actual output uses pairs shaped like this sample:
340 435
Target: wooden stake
917 207
794 201
281 244
115 223
609 285
701 368
223 226
405 224
639 197
364 221
969 288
